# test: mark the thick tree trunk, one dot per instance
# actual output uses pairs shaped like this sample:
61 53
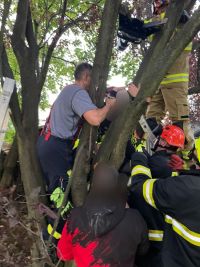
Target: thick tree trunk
99 77
2 160
9 166
32 181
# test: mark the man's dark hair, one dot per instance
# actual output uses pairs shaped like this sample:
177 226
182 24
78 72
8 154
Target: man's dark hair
80 69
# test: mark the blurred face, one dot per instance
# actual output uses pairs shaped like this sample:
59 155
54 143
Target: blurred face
159 6
86 79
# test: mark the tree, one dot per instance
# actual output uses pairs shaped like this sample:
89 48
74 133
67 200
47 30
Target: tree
32 42
99 78
164 44
37 30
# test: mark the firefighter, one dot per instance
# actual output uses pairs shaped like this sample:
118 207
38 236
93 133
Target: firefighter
178 199
58 138
173 91
161 163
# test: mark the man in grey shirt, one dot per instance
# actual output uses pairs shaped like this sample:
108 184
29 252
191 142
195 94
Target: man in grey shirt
55 144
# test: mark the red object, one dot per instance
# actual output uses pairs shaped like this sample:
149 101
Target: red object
157 4
176 163
83 256
173 135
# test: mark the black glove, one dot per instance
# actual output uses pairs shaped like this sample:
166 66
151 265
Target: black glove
139 158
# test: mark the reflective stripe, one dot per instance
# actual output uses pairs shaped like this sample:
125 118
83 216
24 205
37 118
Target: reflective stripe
139 169
148 21
148 192
188 47
175 78
197 146
174 174
155 235
56 235
162 15
185 154
129 181
183 231
76 143
139 148
69 173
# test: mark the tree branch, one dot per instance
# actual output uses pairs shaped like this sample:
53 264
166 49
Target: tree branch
65 61
149 77
98 80
19 31
6 8
30 35
190 5
61 29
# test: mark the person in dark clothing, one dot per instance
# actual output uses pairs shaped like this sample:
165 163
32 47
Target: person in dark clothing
154 218
178 199
103 232
161 167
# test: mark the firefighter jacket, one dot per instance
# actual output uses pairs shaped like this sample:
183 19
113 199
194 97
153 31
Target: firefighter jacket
154 218
178 198
178 75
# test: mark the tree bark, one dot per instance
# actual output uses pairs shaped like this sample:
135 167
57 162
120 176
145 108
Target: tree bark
99 77
9 166
148 77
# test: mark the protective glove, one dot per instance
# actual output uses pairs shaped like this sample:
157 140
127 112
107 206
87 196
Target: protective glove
139 158
176 163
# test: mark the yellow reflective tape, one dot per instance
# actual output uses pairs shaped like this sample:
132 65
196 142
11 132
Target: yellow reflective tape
155 235
188 47
175 78
162 15
197 147
148 192
174 174
147 21
76 143
56 235
139 148
69 173
177 75
190 236
186 154
174 81
139 169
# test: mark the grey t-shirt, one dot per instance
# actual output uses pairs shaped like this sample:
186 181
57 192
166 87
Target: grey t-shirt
70 105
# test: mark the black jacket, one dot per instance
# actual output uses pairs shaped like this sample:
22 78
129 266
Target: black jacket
178 198
119 235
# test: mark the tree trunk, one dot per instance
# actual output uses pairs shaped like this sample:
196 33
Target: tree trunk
100 71
32 181
9 166
148 77
2 160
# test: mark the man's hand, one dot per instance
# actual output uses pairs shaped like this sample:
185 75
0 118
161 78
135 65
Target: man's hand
133 89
